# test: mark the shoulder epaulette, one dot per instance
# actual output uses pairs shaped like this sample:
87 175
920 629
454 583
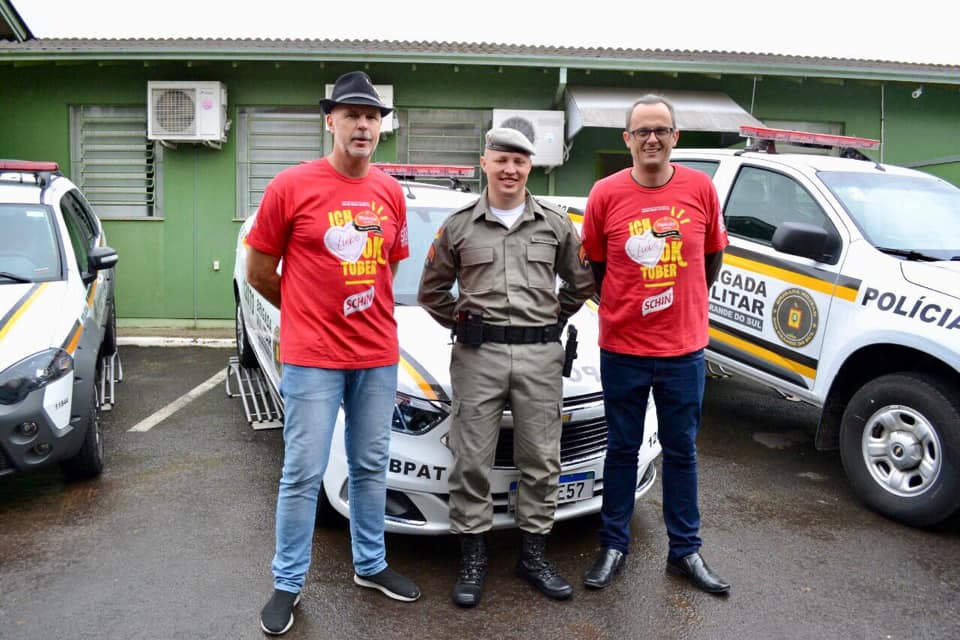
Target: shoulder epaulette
552 207
466 207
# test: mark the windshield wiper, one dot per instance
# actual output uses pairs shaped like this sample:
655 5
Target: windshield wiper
909 254
14 277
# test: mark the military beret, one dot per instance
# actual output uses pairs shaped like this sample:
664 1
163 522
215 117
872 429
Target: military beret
506 139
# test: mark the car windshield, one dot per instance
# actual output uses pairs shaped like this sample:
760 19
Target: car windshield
422 226
28 244
905 215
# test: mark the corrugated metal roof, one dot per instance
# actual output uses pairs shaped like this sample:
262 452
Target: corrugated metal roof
482 53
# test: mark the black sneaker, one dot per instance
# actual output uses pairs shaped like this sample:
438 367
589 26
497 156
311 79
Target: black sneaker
391 583
277 615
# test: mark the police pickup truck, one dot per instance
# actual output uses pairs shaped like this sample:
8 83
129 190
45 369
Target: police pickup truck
841 287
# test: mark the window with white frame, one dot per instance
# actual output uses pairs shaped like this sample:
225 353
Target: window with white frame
270 139
116 167
443 136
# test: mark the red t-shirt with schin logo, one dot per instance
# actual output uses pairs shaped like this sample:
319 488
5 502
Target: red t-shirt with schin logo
654 241
337 237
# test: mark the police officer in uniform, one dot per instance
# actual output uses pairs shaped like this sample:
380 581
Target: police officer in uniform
505 252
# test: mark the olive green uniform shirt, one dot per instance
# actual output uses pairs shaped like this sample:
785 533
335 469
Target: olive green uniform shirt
507 274
510 275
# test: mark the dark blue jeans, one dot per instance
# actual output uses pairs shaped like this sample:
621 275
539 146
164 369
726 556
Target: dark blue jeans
677 384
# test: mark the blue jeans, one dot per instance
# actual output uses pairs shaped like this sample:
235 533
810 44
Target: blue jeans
677 384
311 399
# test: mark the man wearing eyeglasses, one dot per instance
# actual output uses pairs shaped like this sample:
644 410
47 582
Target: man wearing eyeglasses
655 237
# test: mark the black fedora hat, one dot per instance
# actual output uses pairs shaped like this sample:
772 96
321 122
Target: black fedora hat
354 88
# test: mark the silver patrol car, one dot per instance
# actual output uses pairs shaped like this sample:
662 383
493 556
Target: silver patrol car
57 322
841 288
420 461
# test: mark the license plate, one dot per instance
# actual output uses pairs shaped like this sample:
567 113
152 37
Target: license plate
573 488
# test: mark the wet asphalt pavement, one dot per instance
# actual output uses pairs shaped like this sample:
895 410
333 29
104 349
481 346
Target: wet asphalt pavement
175 541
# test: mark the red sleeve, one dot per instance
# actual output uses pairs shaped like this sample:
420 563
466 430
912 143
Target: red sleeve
271 229
401 247
592 236
716 237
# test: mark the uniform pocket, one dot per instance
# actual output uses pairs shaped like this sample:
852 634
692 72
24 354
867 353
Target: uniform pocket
476 269
541 255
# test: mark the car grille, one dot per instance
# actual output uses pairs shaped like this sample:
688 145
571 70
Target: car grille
4 463
579 440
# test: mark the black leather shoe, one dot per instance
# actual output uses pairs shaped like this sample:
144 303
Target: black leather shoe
694 569
604 568
473 570
534 567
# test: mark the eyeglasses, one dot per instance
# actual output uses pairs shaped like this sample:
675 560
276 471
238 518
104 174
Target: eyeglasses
643 133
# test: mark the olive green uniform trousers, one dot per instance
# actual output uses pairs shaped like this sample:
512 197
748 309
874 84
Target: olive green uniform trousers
526 378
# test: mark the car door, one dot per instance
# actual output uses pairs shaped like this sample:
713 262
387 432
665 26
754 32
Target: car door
768 308
84 233
261 319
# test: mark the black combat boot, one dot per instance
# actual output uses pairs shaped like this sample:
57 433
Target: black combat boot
473 569
537 570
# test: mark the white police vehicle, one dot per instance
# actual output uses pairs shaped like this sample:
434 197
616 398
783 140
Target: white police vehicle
417 490
841 287
57 323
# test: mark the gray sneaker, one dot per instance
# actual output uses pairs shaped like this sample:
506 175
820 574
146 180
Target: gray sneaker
276 618
391 584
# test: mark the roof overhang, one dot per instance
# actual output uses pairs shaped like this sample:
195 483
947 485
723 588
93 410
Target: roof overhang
606 107
12 26
237 51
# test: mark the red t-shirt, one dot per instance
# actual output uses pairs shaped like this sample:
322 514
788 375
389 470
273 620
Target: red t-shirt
654 296
337 237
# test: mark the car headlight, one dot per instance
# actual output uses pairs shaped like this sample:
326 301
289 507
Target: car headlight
32 373
414 416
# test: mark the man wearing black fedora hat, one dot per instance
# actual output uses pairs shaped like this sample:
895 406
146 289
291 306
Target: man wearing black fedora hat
340 227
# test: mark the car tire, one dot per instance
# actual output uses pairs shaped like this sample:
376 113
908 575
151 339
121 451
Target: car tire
245 355
88 463
110 333
327 516
900 447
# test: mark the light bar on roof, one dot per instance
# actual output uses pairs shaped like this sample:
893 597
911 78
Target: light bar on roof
426 170
806 137
29 166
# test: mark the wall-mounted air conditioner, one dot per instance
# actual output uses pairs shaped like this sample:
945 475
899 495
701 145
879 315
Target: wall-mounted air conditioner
544 128
187 112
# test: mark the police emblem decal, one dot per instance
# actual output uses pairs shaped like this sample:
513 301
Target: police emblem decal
795 317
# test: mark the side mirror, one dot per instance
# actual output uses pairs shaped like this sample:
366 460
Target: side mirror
99 258
807 241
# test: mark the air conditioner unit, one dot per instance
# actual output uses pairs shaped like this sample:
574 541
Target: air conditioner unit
544 128
187 112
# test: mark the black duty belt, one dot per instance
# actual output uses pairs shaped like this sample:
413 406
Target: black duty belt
514 335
